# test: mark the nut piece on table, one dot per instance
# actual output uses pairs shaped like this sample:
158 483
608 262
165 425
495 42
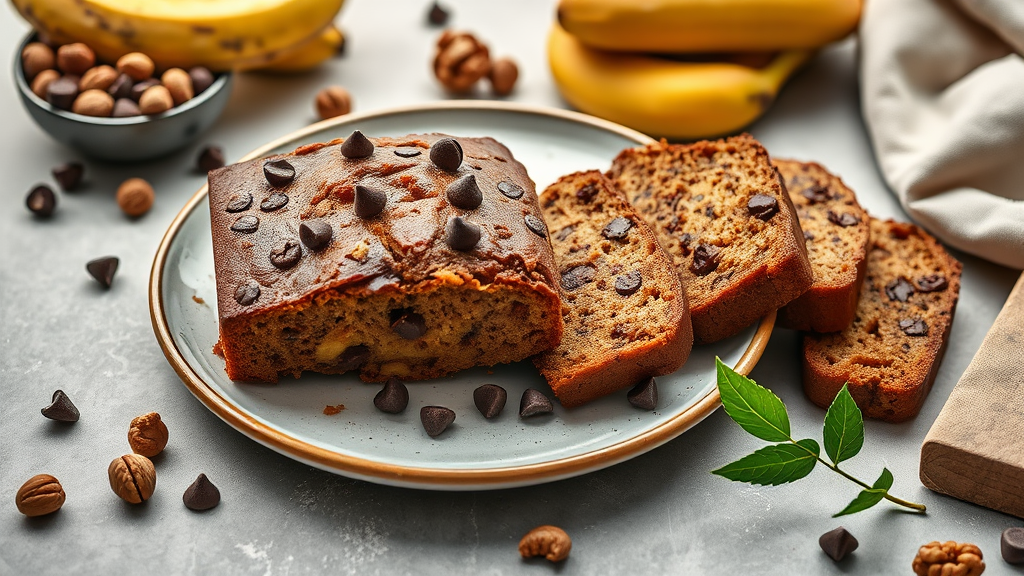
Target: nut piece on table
41 495
503 76
460 61
333 101
550 542
132 478
147 435
948 558
135 197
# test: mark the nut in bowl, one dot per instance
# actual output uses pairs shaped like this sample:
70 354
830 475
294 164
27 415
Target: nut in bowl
105 125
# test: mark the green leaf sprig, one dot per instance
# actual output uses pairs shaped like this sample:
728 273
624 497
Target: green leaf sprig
760 412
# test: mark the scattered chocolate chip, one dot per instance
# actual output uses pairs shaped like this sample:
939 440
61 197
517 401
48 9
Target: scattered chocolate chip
536 225
534 402
838 543
461 234
352 358
446 154
125 108
513 191
587 192
392 398
61 93
247 292
69 175
274 201
239 202
617 229
490 399
369 201
315 234
932 283
436 419
246 224
899 289
279 172
409 325
1012 545
465 193
201 494
41 201
61 408
577 276
121 87
286 253
914 327
684 244
627 284
709 212
816 194
202 79
763 207
103 269
407 152
705 259
437 16
845 219
565 232
644 395
140 87
356 146
211 158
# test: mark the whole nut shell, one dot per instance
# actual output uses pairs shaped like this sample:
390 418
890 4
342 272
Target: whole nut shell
132 478
35 58
136 65
41 495
42 80
460 61
179 84
97 77
333 101
156 99
148 433
503 76
75 58
93 103
550 542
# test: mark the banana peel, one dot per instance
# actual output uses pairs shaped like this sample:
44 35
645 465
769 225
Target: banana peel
306 56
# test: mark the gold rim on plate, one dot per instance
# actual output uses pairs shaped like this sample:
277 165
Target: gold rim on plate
417 476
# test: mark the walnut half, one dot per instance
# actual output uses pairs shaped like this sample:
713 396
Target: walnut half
948 559
550 542
460 61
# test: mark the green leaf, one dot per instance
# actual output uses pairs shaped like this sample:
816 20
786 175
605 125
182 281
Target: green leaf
755 408
868 498
774 465
844 428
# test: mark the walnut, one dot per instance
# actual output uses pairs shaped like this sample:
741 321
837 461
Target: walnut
550 542
132 478
147 435
460 61
948 559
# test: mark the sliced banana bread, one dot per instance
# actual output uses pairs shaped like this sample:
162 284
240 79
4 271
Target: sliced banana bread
891 352
719 209
624 307
837 233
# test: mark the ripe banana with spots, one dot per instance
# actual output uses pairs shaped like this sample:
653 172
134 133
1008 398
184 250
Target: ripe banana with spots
308 55
666 97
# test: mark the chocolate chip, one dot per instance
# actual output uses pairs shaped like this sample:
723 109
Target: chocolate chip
684 244
914 327
407 152
247 292
211 158
139 87
436 419
465 193
932 283
536 225
202 79
246 224
565 232
103 269
490 399
357 146
239 202
446 154
899 289
41 201
587 192
392 398
121 88
513 191
534 402
315 234
286 253
461 234
279 173
644 395
409 325
369 201
627 284
845 219
709 212
838 543
1012 545
437 16
705 259
125 108
617 229
61 408
763 207
352 358
61 93
69 175
816 194
274 201
578 276
201 494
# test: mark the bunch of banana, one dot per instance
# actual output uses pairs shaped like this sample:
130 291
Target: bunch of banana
218 34
687 68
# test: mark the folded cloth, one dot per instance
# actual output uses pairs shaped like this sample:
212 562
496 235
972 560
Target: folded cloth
942 91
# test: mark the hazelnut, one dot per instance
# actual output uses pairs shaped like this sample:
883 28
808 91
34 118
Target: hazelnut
35 58
333 101
156 99
948 558
179 84
503 76
135 197
41 495
550 542
42 81
132 478
98 77
460 61
136 65
75 58
93 103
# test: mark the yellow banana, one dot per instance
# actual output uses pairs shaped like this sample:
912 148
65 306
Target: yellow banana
664 97
308 55
708 25
219 34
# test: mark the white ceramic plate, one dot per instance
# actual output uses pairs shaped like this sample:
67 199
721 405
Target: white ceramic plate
474 453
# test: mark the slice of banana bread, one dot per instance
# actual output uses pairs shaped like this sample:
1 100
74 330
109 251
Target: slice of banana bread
837 234
719 209
624 306
891 352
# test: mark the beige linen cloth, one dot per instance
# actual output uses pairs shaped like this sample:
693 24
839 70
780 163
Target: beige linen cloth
942 91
